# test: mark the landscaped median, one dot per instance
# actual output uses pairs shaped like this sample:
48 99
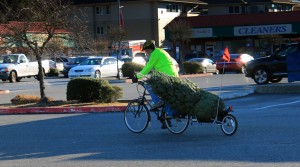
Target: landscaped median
63 110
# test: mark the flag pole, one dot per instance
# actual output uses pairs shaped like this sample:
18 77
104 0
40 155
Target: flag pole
226 57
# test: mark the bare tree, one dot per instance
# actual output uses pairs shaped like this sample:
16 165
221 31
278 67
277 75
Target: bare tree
115 36
180 33
35 23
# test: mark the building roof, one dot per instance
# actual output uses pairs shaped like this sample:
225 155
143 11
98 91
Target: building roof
243 19
82 2
221 2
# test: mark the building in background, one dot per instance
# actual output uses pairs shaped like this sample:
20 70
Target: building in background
255 27
142 19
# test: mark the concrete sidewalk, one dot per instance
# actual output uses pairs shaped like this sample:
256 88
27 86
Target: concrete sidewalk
225 93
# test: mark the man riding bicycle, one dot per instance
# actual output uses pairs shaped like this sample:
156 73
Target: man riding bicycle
161 61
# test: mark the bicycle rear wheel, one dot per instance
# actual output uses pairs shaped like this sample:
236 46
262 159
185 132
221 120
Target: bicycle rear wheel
136 116
177 124
229 125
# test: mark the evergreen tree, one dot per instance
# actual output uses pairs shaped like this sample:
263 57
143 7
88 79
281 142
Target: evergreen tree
184 96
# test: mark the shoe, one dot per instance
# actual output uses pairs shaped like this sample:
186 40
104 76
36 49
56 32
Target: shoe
194 118
163 124
157 105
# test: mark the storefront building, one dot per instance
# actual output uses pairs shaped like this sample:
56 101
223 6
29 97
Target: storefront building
257 34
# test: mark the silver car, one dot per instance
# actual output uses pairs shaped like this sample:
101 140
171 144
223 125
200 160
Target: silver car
97 67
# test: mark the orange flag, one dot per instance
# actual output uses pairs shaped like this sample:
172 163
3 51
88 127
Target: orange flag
226 55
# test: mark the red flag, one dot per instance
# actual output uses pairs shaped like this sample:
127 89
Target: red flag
226 55
121 19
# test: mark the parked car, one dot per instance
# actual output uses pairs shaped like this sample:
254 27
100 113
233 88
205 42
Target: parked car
175 64
58 66
14 67
271 68
135 59
97 67
195 55
208 65
73 61
237 63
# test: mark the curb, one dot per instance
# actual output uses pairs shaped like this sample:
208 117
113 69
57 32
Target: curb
4 91
278 88
61 110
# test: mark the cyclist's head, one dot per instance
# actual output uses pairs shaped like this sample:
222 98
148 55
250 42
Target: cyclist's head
149 45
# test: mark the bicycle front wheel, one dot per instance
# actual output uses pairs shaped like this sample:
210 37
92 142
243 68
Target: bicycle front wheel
136 116
177 124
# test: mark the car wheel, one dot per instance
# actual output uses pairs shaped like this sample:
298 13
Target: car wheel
13 77
261 76
97 74
242 70
276 80
120 73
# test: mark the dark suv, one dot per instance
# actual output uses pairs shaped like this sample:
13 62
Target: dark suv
271 68
73 61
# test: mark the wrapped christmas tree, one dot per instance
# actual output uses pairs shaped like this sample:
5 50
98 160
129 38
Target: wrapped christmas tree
185 96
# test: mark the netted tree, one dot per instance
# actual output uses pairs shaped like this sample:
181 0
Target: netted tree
33 24
180 33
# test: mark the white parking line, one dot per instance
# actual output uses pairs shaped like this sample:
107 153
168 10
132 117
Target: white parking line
298 101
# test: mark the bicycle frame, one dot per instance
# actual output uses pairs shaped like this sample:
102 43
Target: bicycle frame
154 98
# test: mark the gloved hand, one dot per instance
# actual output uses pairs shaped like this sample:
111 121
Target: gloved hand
134 79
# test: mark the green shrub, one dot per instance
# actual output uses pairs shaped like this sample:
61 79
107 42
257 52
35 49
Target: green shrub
129 68
192 68
92 90
53 72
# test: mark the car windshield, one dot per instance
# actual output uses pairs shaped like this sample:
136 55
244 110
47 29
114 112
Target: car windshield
196 60
234 56
91 62
288 50
8 59
77 60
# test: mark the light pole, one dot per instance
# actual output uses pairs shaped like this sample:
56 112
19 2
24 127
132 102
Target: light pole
119 42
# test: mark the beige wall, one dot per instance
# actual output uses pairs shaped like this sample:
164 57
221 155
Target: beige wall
142 19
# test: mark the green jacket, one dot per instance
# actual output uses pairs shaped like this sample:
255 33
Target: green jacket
161 61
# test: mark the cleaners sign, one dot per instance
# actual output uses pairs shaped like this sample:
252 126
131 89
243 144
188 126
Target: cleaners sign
263 30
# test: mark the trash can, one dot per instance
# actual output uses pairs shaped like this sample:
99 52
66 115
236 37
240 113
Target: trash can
293 66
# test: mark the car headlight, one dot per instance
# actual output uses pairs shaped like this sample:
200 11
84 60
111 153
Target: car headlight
4 69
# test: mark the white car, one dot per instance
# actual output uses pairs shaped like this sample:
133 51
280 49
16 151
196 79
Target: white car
97 67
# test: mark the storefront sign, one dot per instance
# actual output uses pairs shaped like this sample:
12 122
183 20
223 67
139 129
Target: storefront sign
263 30
202 32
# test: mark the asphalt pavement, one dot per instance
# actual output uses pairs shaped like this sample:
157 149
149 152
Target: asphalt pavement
225 93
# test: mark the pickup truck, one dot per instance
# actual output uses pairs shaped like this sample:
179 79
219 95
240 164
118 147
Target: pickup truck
14 67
